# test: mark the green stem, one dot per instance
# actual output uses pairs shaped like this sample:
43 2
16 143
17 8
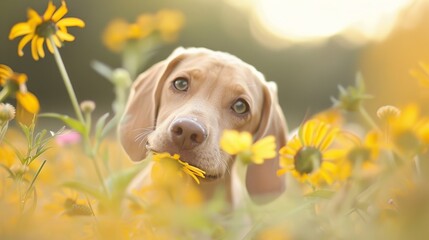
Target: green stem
368 118
418 168
90 152
4 93
99 175
33 181
67 82
76 107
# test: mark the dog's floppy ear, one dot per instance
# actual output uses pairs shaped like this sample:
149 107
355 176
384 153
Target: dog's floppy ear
142 107
262 181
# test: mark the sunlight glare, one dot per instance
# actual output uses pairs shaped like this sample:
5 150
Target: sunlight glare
304 20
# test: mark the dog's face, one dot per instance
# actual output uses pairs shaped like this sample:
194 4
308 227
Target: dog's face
182 105
202 96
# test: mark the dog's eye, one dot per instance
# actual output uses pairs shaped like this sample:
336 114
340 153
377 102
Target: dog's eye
240 106
181 84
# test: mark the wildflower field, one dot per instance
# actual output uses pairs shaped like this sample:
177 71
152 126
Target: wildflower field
351 173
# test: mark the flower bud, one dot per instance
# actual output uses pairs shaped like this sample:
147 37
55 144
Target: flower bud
7 112
121 78
87 106
388 112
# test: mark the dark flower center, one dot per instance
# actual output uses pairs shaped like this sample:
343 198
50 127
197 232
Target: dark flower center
74 209
307 159
407 141
359 154
46 29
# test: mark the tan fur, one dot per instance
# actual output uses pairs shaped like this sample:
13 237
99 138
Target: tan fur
217 80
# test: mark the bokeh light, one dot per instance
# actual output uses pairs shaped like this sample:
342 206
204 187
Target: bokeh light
281 22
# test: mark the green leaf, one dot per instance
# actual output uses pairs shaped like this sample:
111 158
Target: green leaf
102 69
12 175
27 131
86 188
99 127
118 183
3 130
71 122
321 193
109 126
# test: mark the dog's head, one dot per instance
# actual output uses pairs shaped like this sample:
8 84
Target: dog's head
182 105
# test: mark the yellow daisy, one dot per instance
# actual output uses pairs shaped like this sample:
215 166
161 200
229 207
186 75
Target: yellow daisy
119 31
164 25
169 23
165 159
50 27
241 144
409 131
15 84
68 202
308 155
362 156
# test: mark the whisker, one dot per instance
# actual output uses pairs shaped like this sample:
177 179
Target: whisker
143 133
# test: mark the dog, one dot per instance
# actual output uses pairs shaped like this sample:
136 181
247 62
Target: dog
182 105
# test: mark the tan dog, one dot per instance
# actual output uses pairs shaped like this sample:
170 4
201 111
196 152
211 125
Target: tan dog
182 105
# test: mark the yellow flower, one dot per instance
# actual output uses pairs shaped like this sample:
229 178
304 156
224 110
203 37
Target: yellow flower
165 23
363 155
169 23
307 155
68 202
7 75
15 83
7 156
165 160
330 116
409 131
387 113
240 144
277 232
119 31
50 27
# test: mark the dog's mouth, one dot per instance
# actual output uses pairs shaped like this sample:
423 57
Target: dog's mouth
187 157
209 177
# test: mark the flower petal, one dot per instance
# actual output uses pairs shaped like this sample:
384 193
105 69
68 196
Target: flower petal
61 12
28 101
34 48
234 142
63 36
20 29
321 131
333 154
50 46
282 171
71 22
327 177
329 138
265 148
329 166
40 50
308 132
57 41
49 11
5 71
33 15
24 42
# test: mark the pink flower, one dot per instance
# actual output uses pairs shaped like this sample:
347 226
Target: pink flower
68 138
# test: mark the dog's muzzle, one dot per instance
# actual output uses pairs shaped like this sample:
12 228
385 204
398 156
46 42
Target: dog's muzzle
187 133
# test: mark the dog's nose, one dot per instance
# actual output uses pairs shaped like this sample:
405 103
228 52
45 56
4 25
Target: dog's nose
187 133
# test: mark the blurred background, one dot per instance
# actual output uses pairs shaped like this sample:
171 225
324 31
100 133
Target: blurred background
308 47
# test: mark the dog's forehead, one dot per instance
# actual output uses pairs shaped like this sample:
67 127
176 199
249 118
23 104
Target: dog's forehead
199 64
